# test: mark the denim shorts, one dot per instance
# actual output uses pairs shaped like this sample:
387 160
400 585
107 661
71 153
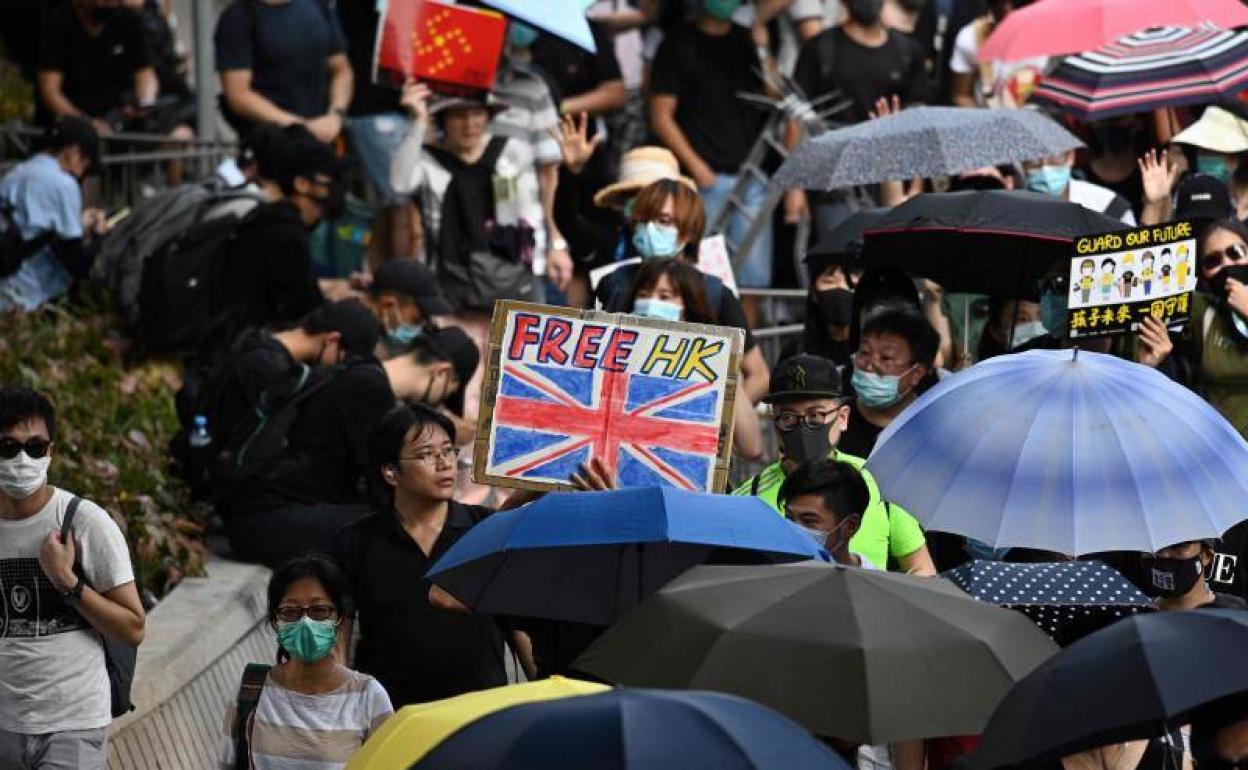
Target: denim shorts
375 139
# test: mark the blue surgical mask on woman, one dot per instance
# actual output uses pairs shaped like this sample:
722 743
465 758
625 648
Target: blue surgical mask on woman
653 240
1214 165
1050 180
658 308
878 391
306 639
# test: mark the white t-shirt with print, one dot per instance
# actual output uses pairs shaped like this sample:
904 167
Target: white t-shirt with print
52 676
1011 82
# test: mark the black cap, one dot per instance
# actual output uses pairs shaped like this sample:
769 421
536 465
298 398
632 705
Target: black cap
1201 196
359 328
68 130
453 345
803 376
295 152
412 279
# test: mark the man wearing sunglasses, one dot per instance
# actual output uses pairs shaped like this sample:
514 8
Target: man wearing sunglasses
810 412
56 599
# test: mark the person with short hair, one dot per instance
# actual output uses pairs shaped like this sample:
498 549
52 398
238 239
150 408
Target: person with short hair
418 651
312 710
405 297
1052 176
59 598
1220 733
828 499
809 412
895 354
1176 575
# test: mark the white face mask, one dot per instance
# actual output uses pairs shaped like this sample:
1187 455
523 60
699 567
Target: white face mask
23 476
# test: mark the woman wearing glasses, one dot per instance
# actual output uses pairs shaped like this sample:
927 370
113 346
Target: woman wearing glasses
310 708
419 652
1217 336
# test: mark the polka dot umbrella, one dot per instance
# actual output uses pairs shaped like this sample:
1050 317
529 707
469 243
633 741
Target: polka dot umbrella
1067 600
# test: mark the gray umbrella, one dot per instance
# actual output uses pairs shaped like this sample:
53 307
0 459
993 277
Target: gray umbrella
861 655
922 142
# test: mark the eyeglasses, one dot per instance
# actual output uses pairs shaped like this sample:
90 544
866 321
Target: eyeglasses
291 613
787 421
1212 260
34 447
884 363
430 457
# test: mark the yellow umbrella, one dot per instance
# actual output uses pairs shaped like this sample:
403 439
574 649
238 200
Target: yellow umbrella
414 731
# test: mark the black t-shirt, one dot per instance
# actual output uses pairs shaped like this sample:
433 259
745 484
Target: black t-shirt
570 69
832 60
705 73
269 280
97 70
359 20
261 364
286 50
328 454
416 651
859 437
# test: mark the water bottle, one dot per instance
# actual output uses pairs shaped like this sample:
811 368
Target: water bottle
200 437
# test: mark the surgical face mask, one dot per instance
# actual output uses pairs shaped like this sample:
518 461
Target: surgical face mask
818 535
1171 578
403 335
836 306
23 475
1050 180
721 9
520 35
878 391
658 308
803 444
1053 308
306 639
865 12
653 240
1024 333
1213 165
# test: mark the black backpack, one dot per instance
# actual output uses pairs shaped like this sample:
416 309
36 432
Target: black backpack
180 295
119 657
479 262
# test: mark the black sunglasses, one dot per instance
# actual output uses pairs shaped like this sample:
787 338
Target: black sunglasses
34 447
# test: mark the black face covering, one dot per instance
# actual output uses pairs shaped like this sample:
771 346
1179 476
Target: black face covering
1218 282
865 12
1114 138
105 15
836 306
802 444
1171 578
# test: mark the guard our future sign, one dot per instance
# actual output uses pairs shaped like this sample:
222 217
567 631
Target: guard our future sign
652 399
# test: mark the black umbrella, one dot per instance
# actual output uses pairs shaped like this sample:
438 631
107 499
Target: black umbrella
862 655
1068 599
841 242
996 242
1134 680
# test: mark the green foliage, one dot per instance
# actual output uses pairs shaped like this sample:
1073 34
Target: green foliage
113 426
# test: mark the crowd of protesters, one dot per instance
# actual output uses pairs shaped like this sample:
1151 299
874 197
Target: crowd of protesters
329 419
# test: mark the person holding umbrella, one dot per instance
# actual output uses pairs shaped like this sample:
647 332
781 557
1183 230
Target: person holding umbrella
810 412
1176 575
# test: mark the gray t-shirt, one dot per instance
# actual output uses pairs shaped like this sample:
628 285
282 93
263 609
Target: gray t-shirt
52 676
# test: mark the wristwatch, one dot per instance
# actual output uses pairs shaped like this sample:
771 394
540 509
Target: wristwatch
559 244
74 593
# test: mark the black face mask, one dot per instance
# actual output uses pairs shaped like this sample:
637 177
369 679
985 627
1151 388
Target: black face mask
1171 578
1114 139
1218 282
802 444
865 12
836 306
105 15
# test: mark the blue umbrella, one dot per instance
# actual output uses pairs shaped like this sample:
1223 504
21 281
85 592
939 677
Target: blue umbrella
561 18
1065 451
1067 600
583 557
624 728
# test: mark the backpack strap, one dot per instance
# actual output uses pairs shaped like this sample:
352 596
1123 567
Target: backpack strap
493 151
754 482
249 689
67 523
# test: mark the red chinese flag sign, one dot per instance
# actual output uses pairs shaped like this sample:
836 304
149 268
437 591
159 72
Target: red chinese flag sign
450 47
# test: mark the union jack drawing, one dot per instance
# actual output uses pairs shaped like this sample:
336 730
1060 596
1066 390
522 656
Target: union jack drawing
653 430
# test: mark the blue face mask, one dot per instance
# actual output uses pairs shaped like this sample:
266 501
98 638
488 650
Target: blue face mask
653 240
1026 332
1050 180
405 335
1213 165
658 308
1053 313
520 35
878 391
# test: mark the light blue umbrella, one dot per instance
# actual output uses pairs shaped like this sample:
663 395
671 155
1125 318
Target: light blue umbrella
1065 451
561 18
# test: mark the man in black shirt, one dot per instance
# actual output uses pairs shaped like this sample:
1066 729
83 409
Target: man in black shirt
1176 576
284 62
696 113
94 63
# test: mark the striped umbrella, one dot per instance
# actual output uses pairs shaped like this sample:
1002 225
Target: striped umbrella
1162 67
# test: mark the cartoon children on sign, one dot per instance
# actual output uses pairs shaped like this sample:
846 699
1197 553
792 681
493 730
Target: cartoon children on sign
1128 275
1108 266
1086 281
1181 269
1146 272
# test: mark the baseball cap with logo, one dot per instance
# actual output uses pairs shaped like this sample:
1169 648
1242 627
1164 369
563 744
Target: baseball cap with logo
1201 196
803 376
